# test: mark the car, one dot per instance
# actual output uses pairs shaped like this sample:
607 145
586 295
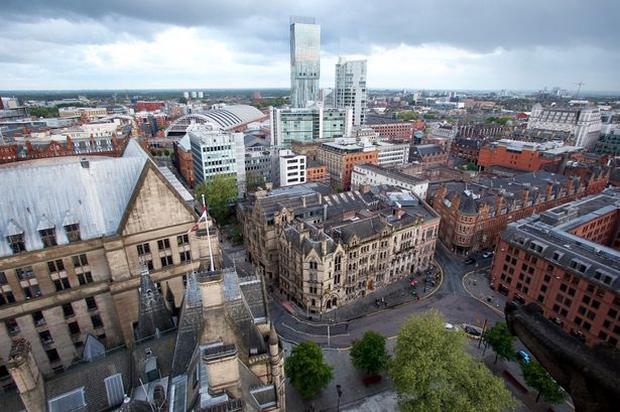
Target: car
469 261
472 331
488 254
523 357
451 327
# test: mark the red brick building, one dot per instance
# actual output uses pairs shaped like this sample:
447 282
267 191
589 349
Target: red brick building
316 172
525 156
428 155
149 106
183 159
389 127
468 149
567 260
473 214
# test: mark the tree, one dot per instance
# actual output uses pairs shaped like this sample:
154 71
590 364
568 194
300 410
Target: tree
500 339
219 191
40 111
538 378
254 180
369 354
433 372
306 369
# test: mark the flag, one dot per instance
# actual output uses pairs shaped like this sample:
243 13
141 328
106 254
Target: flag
200 219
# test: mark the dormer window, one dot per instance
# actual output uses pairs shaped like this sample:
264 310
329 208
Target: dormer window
48 237
73 232
17 243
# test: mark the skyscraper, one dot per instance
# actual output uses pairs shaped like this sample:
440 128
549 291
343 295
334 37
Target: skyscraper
305 61
351 89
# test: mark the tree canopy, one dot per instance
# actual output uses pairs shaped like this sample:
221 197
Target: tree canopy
501 340
369 354
306 369
254 180
40 111
407 115
432 371
538 378
219 191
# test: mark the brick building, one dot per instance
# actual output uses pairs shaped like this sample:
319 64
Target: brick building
568 261
525 156
70 260
316 172
390 127
183 160
149 106
473 214
483 130
428 154
340 157
466 148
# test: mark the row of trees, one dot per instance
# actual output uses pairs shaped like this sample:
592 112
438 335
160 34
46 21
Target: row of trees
430 368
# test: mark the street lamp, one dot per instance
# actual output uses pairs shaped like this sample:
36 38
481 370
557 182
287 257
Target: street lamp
339 390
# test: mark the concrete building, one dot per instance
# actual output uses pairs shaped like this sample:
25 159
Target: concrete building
309 124
525 156
292 168
341 155
90 113
567 260
607 144
323 252
224 355
373 175
473 214
70 260
583 123
391 154
350 91
305 38
217 152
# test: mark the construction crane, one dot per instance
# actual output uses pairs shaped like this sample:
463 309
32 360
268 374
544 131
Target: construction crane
579 84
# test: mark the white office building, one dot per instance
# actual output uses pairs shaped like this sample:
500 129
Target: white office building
292 168
583 122
215 152
373 175
350 91
305 61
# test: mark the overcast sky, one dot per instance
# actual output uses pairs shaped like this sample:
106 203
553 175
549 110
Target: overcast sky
457 44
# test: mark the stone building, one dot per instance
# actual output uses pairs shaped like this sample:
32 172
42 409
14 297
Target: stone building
74 232
473 214
322 252
567 260
224 355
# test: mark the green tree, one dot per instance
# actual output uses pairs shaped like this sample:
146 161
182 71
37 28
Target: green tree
306 369
433 372
219 191
407 115
538 378
254 180
369 354
40 111
501 340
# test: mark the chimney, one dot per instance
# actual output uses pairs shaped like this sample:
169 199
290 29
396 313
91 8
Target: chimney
85 163
526 195
323 246
548 190
26 375
499 202
399 212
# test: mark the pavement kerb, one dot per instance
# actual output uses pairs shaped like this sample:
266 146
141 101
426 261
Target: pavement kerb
474 296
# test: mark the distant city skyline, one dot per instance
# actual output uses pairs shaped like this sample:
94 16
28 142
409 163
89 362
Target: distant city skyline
481 45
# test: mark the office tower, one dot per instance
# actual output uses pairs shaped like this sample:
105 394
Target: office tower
309 124
351 88
305 62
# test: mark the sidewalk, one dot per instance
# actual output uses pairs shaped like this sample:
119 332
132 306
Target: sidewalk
477 285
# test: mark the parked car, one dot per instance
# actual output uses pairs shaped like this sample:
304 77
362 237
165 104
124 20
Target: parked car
523 356
469 261
488 254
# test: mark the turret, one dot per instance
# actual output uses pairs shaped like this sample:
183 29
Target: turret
26 375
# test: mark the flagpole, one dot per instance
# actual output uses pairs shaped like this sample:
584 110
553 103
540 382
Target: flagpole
204 205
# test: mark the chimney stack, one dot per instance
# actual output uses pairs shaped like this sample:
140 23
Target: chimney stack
26 375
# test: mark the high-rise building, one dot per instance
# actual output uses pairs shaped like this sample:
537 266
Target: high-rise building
351 89
309 124
582 122
217 152
305 61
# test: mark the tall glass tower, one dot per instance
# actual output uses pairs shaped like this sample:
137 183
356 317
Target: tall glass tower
350 91
305 61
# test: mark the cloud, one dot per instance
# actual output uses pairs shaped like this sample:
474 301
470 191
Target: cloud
243 43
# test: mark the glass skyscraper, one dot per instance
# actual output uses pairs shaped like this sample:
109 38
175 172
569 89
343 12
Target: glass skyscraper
351 89
305 61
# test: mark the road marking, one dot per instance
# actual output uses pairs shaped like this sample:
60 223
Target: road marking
474 296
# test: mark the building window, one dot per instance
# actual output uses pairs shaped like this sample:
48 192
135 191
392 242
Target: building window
32 291
52 355
166 261
163 244
85 278
73 232
74 328
79 260
55 266
46 338
24 273
91 304
185 256
48 237
183 240
97 323
38 318
143 249
67 310
17 243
